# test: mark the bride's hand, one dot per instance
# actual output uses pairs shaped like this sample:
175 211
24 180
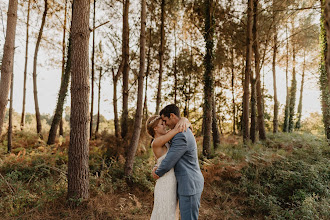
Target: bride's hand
182 125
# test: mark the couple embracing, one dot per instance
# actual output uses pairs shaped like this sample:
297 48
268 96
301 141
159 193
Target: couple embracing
179 179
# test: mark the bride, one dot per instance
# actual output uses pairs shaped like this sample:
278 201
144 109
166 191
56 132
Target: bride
166 205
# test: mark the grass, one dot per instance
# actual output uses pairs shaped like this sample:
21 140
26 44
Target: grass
285 177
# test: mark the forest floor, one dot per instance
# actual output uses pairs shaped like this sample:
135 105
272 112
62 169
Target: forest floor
285 177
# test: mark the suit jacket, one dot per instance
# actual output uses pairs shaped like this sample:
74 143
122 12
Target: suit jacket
182 155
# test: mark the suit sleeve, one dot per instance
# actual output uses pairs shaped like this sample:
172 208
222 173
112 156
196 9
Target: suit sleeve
178 148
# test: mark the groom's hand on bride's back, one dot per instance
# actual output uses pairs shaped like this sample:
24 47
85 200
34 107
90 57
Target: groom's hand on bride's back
154 175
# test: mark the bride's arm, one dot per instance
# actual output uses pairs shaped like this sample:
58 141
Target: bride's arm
182 125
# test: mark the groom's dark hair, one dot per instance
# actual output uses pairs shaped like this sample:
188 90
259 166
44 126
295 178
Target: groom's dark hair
167 110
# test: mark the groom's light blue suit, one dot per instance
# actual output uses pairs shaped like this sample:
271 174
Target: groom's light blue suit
182 155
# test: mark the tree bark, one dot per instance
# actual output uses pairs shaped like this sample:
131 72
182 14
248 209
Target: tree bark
63 59
215 127
10 123
8 59
93 74
78 171
115 78
145 106
138 114
175 68
293 85
208 79
287 102
324 80
35 63
125 57
98 106
233 89
246 94
275 119
161 56
61 97
260 99
25 65
299 112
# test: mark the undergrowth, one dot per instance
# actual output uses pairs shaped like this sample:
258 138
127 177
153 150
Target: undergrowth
285 177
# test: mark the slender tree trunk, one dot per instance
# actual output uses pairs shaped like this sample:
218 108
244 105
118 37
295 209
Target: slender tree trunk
35 63
233 89
78 171
259 95
208 78
327 28
275 120
175 68
246 94
98 105
215 127
253 108
287 102
324 80
252 75
7 59
63 59
293 85
25 65
93 75
161 56
298 123
10 124
115 78
138 114
61 97
145 106
125 52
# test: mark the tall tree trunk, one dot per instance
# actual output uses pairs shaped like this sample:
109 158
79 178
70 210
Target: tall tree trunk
287 102
35 63
63 59
208 78
7 59
139 108
115 78
25 65
246 94
298 123
98 105
253 108
215 127
175 68
93 75
293 84
260 109
253 75
275 120
324 69
145 106
233 89
78 171
125 54
61 96
10 123
327 28
161 56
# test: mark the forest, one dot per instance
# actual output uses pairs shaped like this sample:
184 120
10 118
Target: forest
80 78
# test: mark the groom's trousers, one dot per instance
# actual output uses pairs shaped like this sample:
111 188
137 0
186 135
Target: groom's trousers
189 206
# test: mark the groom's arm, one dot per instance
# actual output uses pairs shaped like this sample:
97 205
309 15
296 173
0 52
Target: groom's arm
178 148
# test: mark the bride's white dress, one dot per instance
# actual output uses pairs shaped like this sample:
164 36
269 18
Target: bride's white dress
166 206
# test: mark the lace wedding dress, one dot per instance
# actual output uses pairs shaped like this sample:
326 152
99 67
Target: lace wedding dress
166 206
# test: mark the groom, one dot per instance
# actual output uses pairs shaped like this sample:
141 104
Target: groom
182 155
